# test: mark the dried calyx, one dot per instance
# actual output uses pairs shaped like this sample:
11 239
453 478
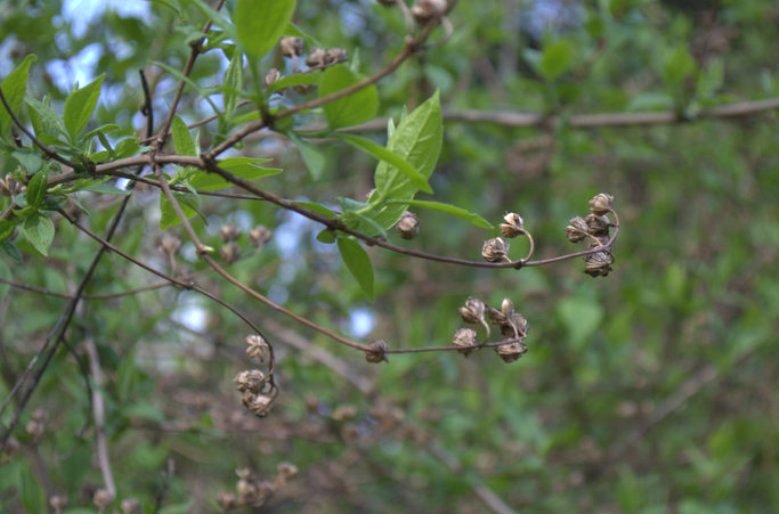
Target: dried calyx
408 226
495 250
513 225
595 230
426 10
377 352
465 338
513 326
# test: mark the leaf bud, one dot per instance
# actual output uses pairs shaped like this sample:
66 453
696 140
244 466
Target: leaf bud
377 352
291 46
408 226
576 230
466 339
512 225
495 250
510 352
473 311
601 203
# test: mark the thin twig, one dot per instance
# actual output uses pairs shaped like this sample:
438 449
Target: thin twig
98 411
104 296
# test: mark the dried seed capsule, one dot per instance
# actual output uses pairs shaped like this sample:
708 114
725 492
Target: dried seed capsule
286 470
425 10
260 235
230 252
291 46
576 230
131 506
511 351
601 203
598 264
228 232
598 225
466 339
495 250
514 326
58 503
169 245
335 55
513 225
102 498
377 353
252 380
473 311
226 501
272 76
408 226
317 57
257 347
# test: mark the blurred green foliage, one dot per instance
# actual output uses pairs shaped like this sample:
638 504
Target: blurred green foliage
652 390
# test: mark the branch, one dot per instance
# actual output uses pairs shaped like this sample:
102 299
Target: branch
98 411
104 296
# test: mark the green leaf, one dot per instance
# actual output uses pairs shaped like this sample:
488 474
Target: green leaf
318 208
30 160
358 263
47 124
581 317
556 59
39 231
14 87
242 167
127 147
326 236
260 23
79 106
182 139
417 139
106 188
233 83
30 491
36 188
353 109
298 79
381 153
312 158
678 64
188 202
7 228
465 214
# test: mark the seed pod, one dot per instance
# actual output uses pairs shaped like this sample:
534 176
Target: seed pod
316 57
257 347
258 404
601 203
260 235
425 10
511 351
291 46
251 380
102 498
228 232
286 470
576 230
513 225
169 245
408 226
514 326
598 264
272 76
131 506
377 353
598 225
465 338
473 311
226 501
58 503
335 55
495 250
230 252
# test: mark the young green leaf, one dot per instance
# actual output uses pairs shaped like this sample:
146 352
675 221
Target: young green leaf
416 139
465 214
358 263
47 124
381 153
188 202
14 86
7 228
36 188
312 158
298 79
352 109
30 160
556 59
233 83
182 139
260 24
79 106
39 231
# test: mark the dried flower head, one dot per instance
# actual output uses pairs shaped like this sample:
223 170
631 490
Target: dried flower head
514 326
102 498
408 226
228 232
260 235
257 347
598 264
465 338
58 503
513 225
495 250
316 57
601 203
272 76
425 10
377 352
576 230
169 245
473 312
291 46
510 352
258 404
226 501
252 380
131 506
335 55
230 252
598 225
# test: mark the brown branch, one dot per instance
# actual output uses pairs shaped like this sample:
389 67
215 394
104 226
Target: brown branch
104 296
98 412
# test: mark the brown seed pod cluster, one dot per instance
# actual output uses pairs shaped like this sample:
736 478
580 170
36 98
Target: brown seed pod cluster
251 490
258 391
230 250
594 230
512 325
